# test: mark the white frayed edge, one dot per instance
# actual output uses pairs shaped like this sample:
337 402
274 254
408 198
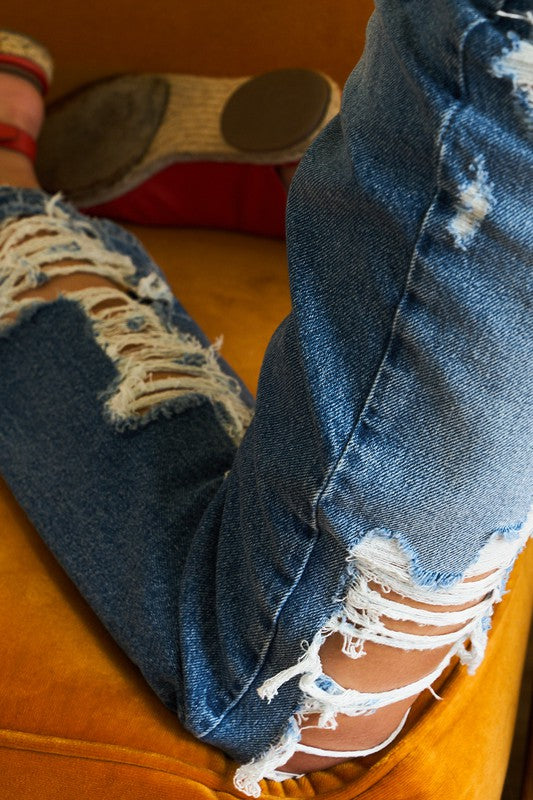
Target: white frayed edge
152 287
474 202
382 561
32 249
527 16
516 63
247 777
190 368
131 333
317 751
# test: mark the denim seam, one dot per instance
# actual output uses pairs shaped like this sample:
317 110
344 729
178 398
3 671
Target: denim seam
440 139
447 118
312 524
274 631
264 657
261 665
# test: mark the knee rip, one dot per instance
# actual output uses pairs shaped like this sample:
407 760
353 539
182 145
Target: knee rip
384 606
475 196
160 369
516 64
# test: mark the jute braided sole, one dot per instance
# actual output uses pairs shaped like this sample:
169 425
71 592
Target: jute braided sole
107 138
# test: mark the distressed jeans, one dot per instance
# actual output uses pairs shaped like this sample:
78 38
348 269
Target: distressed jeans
220 540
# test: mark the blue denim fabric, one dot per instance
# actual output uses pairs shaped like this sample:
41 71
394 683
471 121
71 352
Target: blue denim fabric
395 398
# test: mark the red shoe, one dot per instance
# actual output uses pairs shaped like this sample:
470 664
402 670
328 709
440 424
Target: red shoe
185 150
23 56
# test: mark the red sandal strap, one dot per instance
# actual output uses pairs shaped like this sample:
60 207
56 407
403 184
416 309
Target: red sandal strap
26 65
15 139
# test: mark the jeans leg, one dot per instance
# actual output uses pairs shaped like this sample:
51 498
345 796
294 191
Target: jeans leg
402 379
114 467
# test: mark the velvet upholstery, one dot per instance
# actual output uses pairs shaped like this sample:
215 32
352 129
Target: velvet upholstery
77 722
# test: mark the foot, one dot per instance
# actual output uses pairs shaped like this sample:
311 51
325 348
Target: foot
383 668
21 105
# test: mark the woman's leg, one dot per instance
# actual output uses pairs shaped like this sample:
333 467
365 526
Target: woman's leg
117 422
405 397
387 448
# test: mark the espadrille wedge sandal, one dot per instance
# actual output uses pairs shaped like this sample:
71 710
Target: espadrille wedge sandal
185 150
23 56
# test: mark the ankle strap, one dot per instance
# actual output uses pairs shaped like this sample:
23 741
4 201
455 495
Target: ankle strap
317 751
12 138
279 775
25 56
25 69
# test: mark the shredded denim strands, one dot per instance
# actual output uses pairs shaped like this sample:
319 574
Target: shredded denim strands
381 561
130 330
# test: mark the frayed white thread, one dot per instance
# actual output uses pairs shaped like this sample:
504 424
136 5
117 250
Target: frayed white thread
317 751
190 368
31 249
247 777
327 703
379 560
385 564
382 561
131 333
472 206
527 16
309 663
154 288
516 63
434 693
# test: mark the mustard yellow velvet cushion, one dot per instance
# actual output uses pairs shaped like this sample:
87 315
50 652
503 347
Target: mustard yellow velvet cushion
77 721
